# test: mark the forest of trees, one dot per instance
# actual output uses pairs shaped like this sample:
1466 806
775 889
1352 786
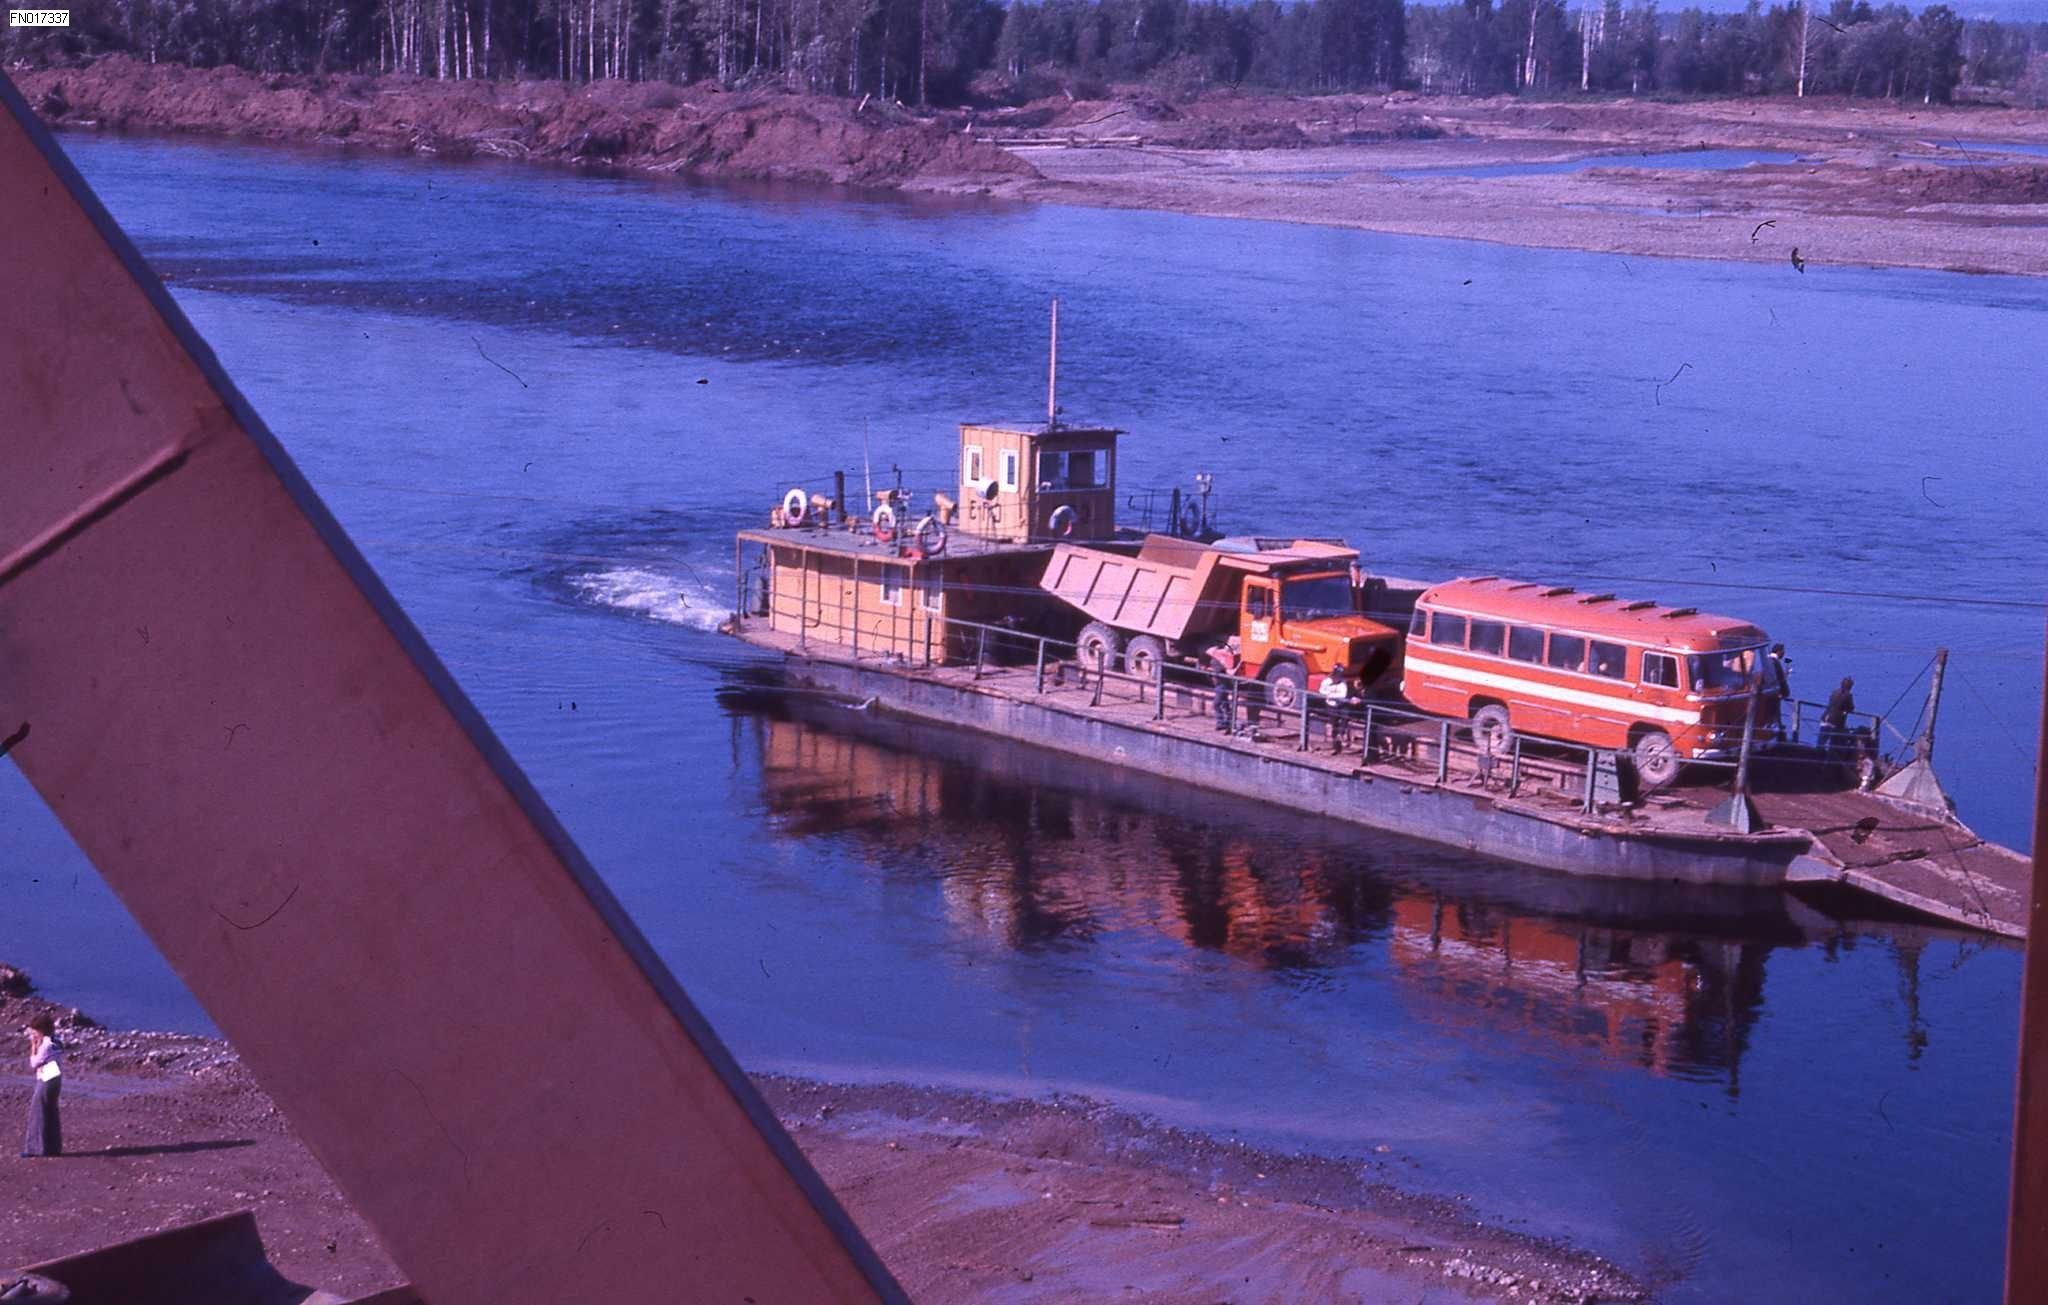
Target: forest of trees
950 51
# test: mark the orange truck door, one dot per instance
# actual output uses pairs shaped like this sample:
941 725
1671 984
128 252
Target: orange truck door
1261 623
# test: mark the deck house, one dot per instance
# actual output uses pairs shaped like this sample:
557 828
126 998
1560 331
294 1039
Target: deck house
836 578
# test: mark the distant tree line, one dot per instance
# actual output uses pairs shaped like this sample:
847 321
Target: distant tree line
948 51
1847 48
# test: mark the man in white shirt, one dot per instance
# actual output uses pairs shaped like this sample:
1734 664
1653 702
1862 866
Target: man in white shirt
1337 694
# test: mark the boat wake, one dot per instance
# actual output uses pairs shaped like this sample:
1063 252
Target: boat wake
656 595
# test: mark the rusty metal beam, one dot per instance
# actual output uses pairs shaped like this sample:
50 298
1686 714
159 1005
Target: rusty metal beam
239 726
2026 1247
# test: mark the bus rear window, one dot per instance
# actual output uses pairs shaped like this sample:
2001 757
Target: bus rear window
1447 630
1567 652
1489 637
1525 644
1610 660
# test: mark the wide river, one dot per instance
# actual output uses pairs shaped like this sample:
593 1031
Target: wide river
543 402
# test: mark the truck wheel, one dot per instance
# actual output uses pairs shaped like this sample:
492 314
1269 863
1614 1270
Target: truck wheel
1492 735
1657 761
1142 655
1100 647
1286 685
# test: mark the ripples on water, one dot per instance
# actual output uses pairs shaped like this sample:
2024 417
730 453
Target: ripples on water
542 403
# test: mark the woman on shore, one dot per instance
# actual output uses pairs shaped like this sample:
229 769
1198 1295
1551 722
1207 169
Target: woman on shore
45 1136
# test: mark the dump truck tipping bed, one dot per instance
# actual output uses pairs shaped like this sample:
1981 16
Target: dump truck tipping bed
1173 588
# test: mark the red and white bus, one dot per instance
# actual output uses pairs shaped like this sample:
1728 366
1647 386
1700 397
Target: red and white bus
1670 684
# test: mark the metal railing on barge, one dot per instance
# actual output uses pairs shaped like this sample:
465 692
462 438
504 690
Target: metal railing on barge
1376 732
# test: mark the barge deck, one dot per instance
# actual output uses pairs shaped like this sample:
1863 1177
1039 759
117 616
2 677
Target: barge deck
1418 777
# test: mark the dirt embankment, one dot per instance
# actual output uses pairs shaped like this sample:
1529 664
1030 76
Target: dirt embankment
653 127
965 1197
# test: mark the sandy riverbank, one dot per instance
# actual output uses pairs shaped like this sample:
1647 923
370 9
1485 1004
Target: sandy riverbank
966 1197
1872 184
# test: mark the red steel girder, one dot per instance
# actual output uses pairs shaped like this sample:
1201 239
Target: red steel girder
235 721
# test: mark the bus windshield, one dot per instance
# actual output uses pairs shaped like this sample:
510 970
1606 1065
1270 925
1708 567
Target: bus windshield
1316 596
1727 671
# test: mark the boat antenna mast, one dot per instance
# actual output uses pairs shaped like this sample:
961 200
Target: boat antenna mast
1052 372
867 467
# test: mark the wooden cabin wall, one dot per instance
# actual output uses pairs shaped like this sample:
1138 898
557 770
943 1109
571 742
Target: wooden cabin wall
814 592
1007 516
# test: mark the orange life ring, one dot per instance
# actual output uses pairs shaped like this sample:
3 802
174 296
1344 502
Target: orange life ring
885 523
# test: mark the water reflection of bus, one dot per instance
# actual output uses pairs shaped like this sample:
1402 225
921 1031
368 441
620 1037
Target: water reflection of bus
1644 998
1025 853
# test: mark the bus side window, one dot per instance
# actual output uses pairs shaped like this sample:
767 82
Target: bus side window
1419 626
1660 670
1447 630
1489 637
1525 644
1567 652
1610 660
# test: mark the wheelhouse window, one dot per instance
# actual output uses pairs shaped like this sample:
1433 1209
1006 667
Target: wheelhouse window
1072 469
1726 671
1316 596
1660 670
1609 660
1489 637
1567 652
1447 631
1525 644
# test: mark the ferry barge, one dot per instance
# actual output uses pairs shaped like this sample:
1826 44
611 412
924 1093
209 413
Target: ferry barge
1014 606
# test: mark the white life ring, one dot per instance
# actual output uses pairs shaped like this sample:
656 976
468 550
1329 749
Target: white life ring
885 523
795 506
1063 520
930 536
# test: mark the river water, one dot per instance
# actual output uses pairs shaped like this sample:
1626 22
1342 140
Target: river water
543 402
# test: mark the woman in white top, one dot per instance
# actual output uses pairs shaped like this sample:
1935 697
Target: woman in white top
45 1135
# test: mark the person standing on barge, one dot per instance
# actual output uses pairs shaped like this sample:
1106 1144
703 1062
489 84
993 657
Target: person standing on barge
1336 693
1224 657
1834 719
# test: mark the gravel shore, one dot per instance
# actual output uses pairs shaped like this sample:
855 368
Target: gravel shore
966 1197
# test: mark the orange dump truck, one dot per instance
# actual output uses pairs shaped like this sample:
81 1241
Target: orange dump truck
1292 609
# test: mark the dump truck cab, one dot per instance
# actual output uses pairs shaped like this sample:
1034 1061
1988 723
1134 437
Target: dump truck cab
1298 621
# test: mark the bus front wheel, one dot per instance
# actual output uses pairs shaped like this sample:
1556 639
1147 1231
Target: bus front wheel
1656 760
